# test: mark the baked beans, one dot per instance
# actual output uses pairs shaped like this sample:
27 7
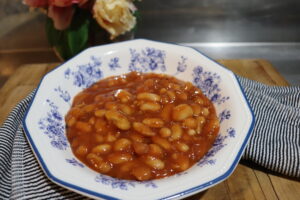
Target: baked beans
141 126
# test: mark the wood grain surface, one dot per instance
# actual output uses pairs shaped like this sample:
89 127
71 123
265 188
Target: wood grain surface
246 182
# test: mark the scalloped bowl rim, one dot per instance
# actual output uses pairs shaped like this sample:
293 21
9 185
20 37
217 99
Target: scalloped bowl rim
184 193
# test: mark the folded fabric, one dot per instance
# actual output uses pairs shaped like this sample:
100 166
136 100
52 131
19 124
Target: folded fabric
275 141
274 144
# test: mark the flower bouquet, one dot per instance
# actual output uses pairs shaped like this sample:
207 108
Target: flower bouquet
73 25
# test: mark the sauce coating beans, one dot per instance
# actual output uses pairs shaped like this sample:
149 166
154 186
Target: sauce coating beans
141 126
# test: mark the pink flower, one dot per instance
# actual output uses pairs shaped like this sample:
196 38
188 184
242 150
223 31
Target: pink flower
61 16
58 3
36 3
65 3
61 12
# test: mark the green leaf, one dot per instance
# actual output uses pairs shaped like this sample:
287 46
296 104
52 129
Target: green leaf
72 40
137 15
78 33
54 36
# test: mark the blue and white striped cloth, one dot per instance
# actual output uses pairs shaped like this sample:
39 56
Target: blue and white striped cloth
274 144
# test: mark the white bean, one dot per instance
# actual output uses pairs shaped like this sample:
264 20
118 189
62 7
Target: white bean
104 167
71 121
143 129
150 106
126 109
176 132
154 162
82 150
122 144
191 132
83 126
182 161
182 147
100 113
181 95
171 95
118 119
140 148
102 149
153 122
110 138
205 112
200 123
111 106
190 123
161 142
142 173
94 159
148 96
165 132
182 112
123 95
155 150
118 157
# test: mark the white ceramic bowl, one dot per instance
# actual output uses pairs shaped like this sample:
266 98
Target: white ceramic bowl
45 126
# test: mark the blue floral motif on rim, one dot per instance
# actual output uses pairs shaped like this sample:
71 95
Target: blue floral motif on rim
225 114
54 127
231 132
181 173
122 184
217 146
74 162
209 82
63 94
87 74
149 59
181 66
114 63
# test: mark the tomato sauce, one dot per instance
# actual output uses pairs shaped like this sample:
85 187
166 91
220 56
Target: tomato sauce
141 126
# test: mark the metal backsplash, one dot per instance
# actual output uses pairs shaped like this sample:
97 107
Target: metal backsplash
221 20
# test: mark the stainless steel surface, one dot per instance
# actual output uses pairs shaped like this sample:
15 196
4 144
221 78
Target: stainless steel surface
221 20
268 29
285 57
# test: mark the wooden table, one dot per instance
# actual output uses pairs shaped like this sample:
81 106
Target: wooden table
246 182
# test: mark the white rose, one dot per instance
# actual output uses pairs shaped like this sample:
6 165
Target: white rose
115 16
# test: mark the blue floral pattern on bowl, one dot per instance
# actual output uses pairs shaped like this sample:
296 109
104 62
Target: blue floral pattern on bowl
114 63
122 184
64 94
219 143
74 162
86 74
225 114
182 66
53 125
148 59
209 83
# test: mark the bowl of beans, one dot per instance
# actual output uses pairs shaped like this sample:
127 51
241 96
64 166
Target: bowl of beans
139 120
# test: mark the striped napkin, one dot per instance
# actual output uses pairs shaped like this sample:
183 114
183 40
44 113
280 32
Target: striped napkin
274 144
